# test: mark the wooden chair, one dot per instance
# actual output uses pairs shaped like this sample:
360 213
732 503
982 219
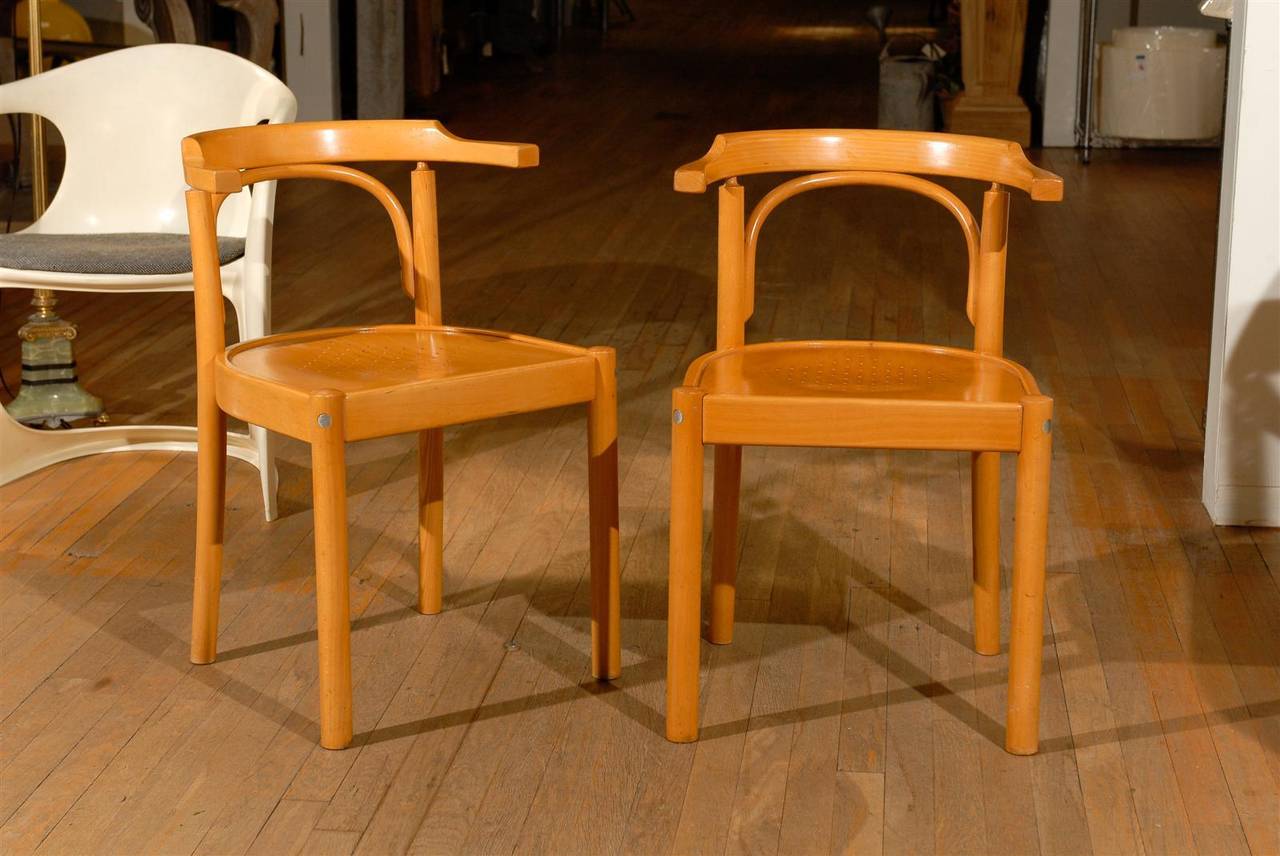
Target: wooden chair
861 394
329 386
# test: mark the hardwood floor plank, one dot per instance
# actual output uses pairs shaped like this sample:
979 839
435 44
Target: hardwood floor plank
288 828
857 825
850 714
909 814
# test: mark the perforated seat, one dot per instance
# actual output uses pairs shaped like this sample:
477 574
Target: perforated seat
860 395
401 377
843 369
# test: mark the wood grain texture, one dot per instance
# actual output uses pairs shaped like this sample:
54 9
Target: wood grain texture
328 386
1160 630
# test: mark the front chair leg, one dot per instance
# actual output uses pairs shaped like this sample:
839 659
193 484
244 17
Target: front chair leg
333 619
430 521
1031 523
211 493
684 592
602 486
724 542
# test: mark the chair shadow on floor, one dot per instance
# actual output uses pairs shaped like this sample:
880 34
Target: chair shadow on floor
554 628
637 693
557 640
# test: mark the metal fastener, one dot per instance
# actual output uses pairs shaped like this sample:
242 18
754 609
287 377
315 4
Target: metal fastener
511 645
324 420
677 417
1048 425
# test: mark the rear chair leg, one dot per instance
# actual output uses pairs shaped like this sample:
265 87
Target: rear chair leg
986 552
724 542
684 609
430 521
333 619
1031 526
602 482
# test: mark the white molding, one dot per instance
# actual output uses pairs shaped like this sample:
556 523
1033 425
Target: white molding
1246 505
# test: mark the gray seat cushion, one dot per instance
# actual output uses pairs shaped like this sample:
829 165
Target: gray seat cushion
127 253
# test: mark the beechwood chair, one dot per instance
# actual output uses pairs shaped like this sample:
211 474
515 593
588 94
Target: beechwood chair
330 386
861 394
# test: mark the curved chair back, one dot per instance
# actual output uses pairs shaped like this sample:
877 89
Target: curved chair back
121 115
835 157
220 164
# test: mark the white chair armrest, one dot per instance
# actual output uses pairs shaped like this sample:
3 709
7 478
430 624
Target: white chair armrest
29 95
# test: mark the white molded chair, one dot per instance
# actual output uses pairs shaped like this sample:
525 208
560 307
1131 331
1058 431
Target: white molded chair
122 117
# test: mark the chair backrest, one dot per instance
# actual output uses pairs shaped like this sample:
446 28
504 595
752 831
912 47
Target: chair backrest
834 157
121 116
221 163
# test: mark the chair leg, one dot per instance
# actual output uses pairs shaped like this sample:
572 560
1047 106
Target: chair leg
1030 533
430 521
333 620
684 592
265 442
602 482
211 494
724 542
986 552
253 321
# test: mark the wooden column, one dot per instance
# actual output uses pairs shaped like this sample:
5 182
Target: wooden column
991 37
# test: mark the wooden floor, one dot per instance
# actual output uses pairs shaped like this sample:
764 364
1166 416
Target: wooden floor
850 714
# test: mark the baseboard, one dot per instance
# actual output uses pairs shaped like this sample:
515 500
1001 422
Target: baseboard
1246 505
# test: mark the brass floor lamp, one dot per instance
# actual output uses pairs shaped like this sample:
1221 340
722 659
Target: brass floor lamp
50 393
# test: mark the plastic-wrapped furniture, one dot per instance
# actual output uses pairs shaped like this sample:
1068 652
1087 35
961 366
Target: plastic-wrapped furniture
117 224
861 394
330 386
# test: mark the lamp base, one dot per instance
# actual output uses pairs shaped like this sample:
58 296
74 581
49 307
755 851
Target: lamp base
51 393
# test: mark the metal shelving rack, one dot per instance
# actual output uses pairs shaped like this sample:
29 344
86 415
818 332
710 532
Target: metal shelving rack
1088 74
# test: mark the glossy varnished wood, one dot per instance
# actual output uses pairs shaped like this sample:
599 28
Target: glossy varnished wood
837 149
851 712
862 394
400 378
333 385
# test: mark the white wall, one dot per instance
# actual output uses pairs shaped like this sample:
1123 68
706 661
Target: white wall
1242 436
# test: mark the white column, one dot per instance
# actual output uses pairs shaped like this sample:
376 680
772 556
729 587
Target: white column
311 56
1062 72
1242 435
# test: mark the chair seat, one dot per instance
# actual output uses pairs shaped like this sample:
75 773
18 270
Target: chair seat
119 253
862 394
400 378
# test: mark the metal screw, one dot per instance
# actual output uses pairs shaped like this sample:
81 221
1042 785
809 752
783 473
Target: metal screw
324 420
1048 425
677 417
511 645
